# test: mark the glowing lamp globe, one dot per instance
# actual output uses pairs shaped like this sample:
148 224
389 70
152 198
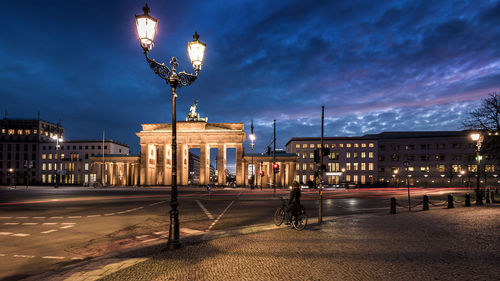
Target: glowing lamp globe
196 51
146 28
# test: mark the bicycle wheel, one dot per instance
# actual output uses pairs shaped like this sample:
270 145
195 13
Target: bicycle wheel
279 216
299 222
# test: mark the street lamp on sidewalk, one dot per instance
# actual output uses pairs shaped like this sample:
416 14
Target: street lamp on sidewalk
478 138
146 29
58 139
252 139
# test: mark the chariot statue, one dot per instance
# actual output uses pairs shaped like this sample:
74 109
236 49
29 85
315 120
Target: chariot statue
193 115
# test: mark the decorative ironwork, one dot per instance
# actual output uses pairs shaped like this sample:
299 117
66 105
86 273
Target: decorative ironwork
184 78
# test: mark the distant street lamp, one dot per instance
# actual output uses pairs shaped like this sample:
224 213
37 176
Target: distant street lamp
252 139
462 172
478 138
58 139
146 29
395 172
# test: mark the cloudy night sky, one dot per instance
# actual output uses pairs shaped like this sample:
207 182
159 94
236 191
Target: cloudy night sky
375 65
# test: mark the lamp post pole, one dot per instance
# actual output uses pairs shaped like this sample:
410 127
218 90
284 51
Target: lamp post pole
146 29
252 138
478 138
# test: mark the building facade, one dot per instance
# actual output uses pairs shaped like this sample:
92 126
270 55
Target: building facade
396 158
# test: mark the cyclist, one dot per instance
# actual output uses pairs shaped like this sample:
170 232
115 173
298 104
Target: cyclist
294 202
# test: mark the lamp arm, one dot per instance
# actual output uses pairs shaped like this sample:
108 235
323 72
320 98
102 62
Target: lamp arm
186 79
159 68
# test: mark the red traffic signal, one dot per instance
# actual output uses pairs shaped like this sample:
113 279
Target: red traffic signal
276 167
261 173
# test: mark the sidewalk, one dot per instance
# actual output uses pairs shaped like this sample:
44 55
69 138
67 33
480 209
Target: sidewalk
440 244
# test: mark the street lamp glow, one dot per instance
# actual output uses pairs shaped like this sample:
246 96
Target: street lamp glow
146 28
196 51
475 136
252 137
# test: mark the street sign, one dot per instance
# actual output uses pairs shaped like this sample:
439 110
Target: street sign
406 163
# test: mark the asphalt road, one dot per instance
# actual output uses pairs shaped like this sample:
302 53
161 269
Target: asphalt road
44 228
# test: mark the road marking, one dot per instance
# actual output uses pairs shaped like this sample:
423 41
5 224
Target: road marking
30 223
220 216
149 240
142 236
209 215
22 217
110 214
49 231
190 231
21 234
160 232
23 256
68 223
39 217
2 255
49 223
121 212
138 208
56 217
66 226
74 217
153 204
5 233
5 218
53 257
11 223
93 216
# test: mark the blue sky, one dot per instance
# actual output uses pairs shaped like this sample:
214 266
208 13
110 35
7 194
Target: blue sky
375 65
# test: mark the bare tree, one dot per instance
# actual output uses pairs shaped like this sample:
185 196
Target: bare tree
486 118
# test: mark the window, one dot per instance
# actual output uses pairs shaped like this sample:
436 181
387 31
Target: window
44 156
370 155
363 145
86 147
382 147
334 145
348 178
50 156
348 145
409 147
363 154
43 166
311 145
304 167
356 145
98 147
341 145
334 156
312 166
363 166
50 167
93 147
371 144
370 166
296 146
424 168
355 155
455 168
43 179
304 145
441 168
355 166
311 155
395 157
348 155
326 145
348 166
297 166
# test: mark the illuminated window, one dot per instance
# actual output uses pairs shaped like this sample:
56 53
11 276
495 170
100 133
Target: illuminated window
43 179
355 155
297 145
44 156
50 167
297 166
348 155
312 167
20 132
311 155
3 131
304 155
304 145
355 178
11 132
304 178
50 156
355 166
441 168
363 154
370 154
27 132
363 179
62 156
370 166
334 145
50 178
363 166
371 144
43 167
348 166
35 131
356 145
348 178
363 145
304 167
311 145
341 145
326 145
348 145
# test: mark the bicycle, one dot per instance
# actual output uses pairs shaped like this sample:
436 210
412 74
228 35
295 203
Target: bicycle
298 220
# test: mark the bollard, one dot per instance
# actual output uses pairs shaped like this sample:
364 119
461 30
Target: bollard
487 195
479 198
393 205
450 201
493 197
467 200
425 205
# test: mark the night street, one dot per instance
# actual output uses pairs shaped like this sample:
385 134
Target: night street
81 223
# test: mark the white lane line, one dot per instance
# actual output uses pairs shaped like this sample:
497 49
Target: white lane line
149 240
153 204
121 212
22 217
5 218
142 236
23 256
74 217
30 223
38 218
220 216
49 231
66 226
68 223
49 223
138 208
161 232
11 223
5 233
53 257
76 258
209 215
93 216
2 255
190 231
21 234
110 214
56 217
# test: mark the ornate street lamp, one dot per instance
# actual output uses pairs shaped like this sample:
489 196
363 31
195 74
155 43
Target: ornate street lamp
478 138
146 29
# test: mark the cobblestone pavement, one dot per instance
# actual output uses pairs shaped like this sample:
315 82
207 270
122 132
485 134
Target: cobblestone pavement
441 244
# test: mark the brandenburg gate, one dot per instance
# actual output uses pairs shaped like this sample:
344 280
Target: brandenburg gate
156 151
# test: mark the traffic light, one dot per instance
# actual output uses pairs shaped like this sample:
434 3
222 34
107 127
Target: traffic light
276 168
316 156
326 151
261 173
